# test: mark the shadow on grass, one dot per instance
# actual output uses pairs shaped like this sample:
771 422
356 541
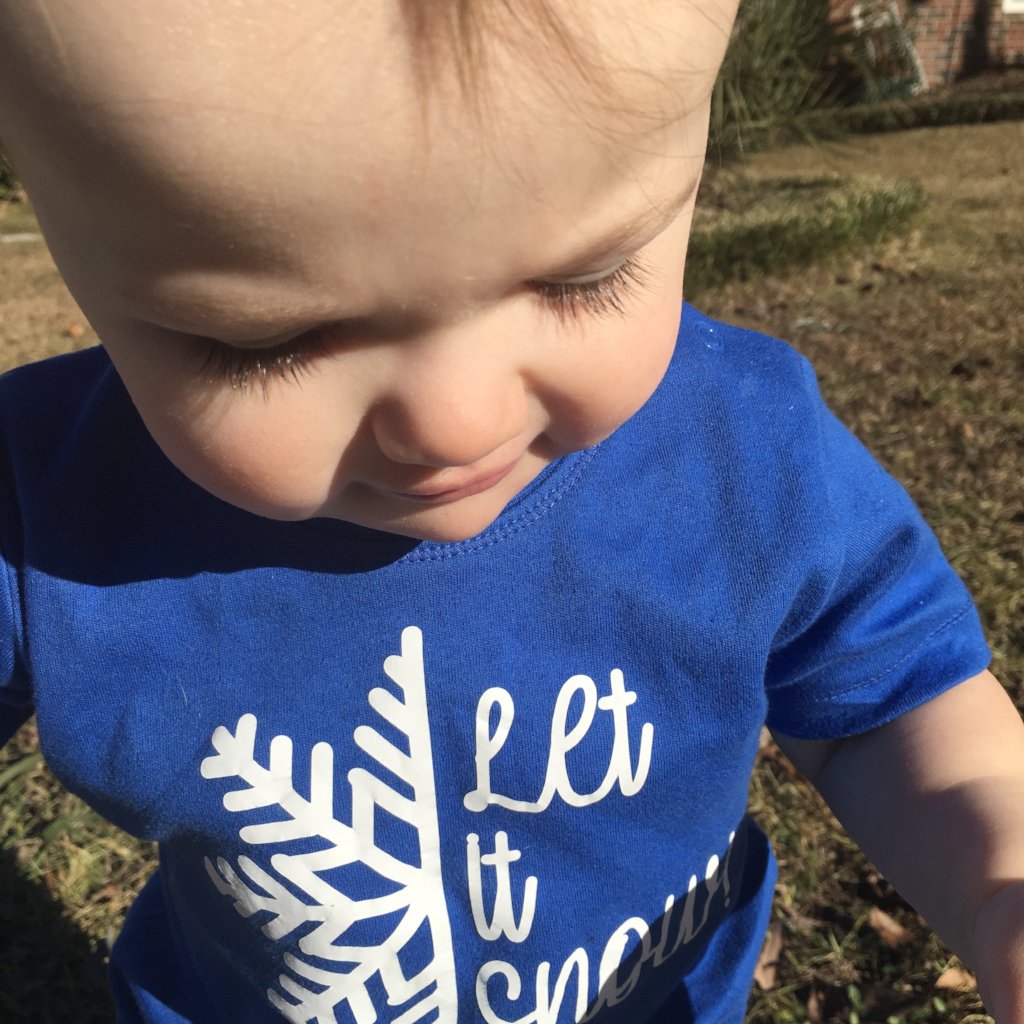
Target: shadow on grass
48 969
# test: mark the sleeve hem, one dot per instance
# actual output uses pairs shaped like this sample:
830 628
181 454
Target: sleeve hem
961 656
909 656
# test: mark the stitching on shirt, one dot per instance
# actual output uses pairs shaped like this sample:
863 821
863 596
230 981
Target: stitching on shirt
892 668
525 519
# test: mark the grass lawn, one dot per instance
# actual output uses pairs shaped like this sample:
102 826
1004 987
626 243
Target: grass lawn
919 345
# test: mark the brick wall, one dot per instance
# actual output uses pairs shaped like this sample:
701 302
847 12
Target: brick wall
956 37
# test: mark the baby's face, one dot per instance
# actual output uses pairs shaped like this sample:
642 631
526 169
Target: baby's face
328 300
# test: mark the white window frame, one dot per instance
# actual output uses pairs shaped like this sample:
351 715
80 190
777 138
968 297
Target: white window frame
1013 6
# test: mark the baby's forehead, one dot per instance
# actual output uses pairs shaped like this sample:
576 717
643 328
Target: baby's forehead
288 59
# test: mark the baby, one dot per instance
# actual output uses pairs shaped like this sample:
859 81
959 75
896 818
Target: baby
413 566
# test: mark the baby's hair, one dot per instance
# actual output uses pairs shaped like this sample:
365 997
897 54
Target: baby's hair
551 42
463 34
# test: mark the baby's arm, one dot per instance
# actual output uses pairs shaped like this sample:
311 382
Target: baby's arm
936 799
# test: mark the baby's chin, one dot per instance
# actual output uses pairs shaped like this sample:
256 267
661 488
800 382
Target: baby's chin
447 523
444 521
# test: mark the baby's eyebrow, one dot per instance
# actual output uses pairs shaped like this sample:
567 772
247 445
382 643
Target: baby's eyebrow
650 221
190 311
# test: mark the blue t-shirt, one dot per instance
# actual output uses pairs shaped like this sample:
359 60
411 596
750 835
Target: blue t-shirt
501 780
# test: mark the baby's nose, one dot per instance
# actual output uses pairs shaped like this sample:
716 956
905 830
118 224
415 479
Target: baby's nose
446 416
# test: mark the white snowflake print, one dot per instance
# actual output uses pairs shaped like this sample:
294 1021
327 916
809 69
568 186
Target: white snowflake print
414 891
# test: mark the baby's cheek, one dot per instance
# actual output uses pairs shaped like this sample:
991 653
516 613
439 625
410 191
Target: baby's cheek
263 452
259 455
620 375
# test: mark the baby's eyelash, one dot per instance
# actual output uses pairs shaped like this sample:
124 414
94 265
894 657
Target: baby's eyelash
240 367
604 297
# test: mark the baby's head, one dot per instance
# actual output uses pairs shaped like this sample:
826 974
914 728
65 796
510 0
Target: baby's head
376 260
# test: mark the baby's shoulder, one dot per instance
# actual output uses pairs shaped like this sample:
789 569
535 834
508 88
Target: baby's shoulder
731 359
733 386
51 383
45 405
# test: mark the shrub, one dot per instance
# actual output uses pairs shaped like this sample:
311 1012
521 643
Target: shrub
784 60
929 111
8 181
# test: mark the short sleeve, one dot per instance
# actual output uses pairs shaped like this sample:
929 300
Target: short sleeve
882 623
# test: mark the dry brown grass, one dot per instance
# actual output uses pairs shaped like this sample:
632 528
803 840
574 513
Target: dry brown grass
38 318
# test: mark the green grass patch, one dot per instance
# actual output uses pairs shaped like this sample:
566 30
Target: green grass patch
747 228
